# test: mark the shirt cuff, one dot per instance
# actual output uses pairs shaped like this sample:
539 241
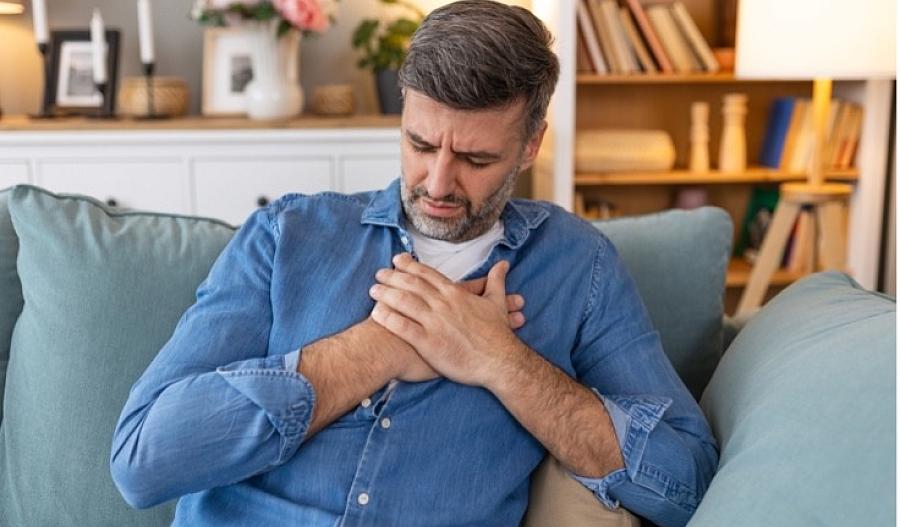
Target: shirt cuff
274 385
633 418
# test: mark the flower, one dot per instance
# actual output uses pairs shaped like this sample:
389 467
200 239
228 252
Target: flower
304 14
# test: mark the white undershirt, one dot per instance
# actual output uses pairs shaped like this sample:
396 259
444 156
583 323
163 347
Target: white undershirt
456 260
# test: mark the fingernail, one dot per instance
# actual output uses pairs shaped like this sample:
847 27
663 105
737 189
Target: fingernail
374 290
381 274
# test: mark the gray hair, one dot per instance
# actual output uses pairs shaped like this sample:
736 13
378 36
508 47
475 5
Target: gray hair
479 54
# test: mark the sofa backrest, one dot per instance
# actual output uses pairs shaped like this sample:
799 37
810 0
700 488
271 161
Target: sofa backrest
10 289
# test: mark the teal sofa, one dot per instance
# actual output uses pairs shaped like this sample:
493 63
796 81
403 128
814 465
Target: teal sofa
802 401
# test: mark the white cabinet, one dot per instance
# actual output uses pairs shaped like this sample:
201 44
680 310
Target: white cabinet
223 173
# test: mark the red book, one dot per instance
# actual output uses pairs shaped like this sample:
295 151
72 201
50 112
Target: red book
650 35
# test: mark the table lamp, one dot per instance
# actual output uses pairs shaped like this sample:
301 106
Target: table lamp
820 40
12 7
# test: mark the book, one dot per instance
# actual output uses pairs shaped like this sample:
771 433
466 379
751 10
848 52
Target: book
621 46
798 116
800 258
649 34
589 39
760 210
804 143
694 37
776 132
582 60
839 134
676 47
834 114
605 36
848 152
637 44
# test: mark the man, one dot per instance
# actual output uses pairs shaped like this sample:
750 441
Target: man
345 365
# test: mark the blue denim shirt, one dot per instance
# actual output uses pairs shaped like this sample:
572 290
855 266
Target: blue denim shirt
220 416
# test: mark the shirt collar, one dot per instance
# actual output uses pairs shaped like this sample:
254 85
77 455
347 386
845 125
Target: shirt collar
519 216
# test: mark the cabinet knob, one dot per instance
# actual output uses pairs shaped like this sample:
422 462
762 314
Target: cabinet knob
112 202
262 201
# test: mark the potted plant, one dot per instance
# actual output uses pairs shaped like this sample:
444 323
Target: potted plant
383 46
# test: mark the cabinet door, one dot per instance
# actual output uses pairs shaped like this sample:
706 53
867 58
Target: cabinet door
232 189
363 173
13 173
159 186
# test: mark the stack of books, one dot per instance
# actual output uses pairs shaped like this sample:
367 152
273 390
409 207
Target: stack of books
632 38
790 135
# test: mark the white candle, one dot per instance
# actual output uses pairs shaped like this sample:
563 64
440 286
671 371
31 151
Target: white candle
145 31
98 47
39 16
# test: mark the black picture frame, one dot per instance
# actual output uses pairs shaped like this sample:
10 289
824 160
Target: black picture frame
61 41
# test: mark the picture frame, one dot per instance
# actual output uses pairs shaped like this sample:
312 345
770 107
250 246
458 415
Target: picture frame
227 69
70 83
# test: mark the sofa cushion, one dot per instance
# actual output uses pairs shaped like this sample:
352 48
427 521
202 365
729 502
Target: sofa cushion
803 407
10 290
103 293
678 260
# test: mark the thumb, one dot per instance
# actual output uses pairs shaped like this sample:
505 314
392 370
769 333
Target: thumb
495 289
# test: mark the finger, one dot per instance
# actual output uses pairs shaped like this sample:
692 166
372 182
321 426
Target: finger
407 303
516 320
405 281
515 303
476 286
408 330
405 263
495 288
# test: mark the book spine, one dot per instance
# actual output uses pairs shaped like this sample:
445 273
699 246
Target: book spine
589 35
649 33
620 45
676 48
776 132
694 37
605 36
640 49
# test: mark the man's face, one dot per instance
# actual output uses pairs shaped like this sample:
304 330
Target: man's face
460 166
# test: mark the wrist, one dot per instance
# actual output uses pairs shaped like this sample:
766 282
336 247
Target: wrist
510 370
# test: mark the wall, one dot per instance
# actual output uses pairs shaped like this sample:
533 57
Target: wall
325 59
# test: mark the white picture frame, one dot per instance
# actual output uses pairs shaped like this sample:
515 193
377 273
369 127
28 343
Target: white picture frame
75 83
227 68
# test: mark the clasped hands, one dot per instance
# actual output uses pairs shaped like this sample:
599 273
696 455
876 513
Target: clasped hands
462 331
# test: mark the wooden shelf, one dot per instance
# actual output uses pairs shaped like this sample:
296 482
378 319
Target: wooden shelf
739 274
684 177
24 123
676 78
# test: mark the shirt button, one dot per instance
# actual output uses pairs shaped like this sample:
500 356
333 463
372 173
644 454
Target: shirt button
405 240
366 402
362 499
385 423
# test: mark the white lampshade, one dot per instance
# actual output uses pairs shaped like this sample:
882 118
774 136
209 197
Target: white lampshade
806 39
11 7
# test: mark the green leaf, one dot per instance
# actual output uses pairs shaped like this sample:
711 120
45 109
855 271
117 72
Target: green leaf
403 26
364 32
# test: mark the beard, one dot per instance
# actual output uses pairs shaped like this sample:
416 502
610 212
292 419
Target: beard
472 224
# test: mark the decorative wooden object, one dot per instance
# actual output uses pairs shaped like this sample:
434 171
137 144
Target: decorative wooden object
623 150
333 99
169 94
699 138
733 145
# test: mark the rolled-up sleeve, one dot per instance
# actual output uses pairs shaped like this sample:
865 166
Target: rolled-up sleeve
215 406
667 447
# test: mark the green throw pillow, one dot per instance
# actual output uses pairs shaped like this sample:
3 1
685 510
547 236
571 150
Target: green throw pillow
10 291
803 407
678 260
103 293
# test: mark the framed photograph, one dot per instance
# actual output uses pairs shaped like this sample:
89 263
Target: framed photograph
71 82
227 69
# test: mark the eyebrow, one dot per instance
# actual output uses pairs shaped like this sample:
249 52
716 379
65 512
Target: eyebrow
478 154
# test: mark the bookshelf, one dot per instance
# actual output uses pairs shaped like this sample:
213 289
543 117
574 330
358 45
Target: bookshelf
662 101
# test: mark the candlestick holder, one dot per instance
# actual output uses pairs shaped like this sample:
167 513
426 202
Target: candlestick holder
151 114
47 110
105 109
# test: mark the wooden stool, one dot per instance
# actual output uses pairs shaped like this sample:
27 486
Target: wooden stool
829 201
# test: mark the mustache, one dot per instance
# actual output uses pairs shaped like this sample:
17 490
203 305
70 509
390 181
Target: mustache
421 192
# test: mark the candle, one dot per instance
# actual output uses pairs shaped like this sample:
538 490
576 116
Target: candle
39 16
145 31
98 47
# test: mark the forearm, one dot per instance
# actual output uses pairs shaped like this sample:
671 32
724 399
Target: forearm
348 367
566 417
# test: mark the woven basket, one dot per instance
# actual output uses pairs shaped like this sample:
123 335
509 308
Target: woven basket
333 99
170 96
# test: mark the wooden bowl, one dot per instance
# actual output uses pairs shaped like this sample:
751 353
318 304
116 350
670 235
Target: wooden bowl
170 96
333 99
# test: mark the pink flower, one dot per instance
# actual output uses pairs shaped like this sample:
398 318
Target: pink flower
304 14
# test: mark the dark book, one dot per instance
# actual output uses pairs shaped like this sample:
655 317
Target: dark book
776 132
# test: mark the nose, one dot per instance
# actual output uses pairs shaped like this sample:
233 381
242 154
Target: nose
441 180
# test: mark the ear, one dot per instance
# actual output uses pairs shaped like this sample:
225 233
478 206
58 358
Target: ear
533 147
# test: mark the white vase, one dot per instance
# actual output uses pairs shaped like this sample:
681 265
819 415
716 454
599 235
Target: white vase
274 92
